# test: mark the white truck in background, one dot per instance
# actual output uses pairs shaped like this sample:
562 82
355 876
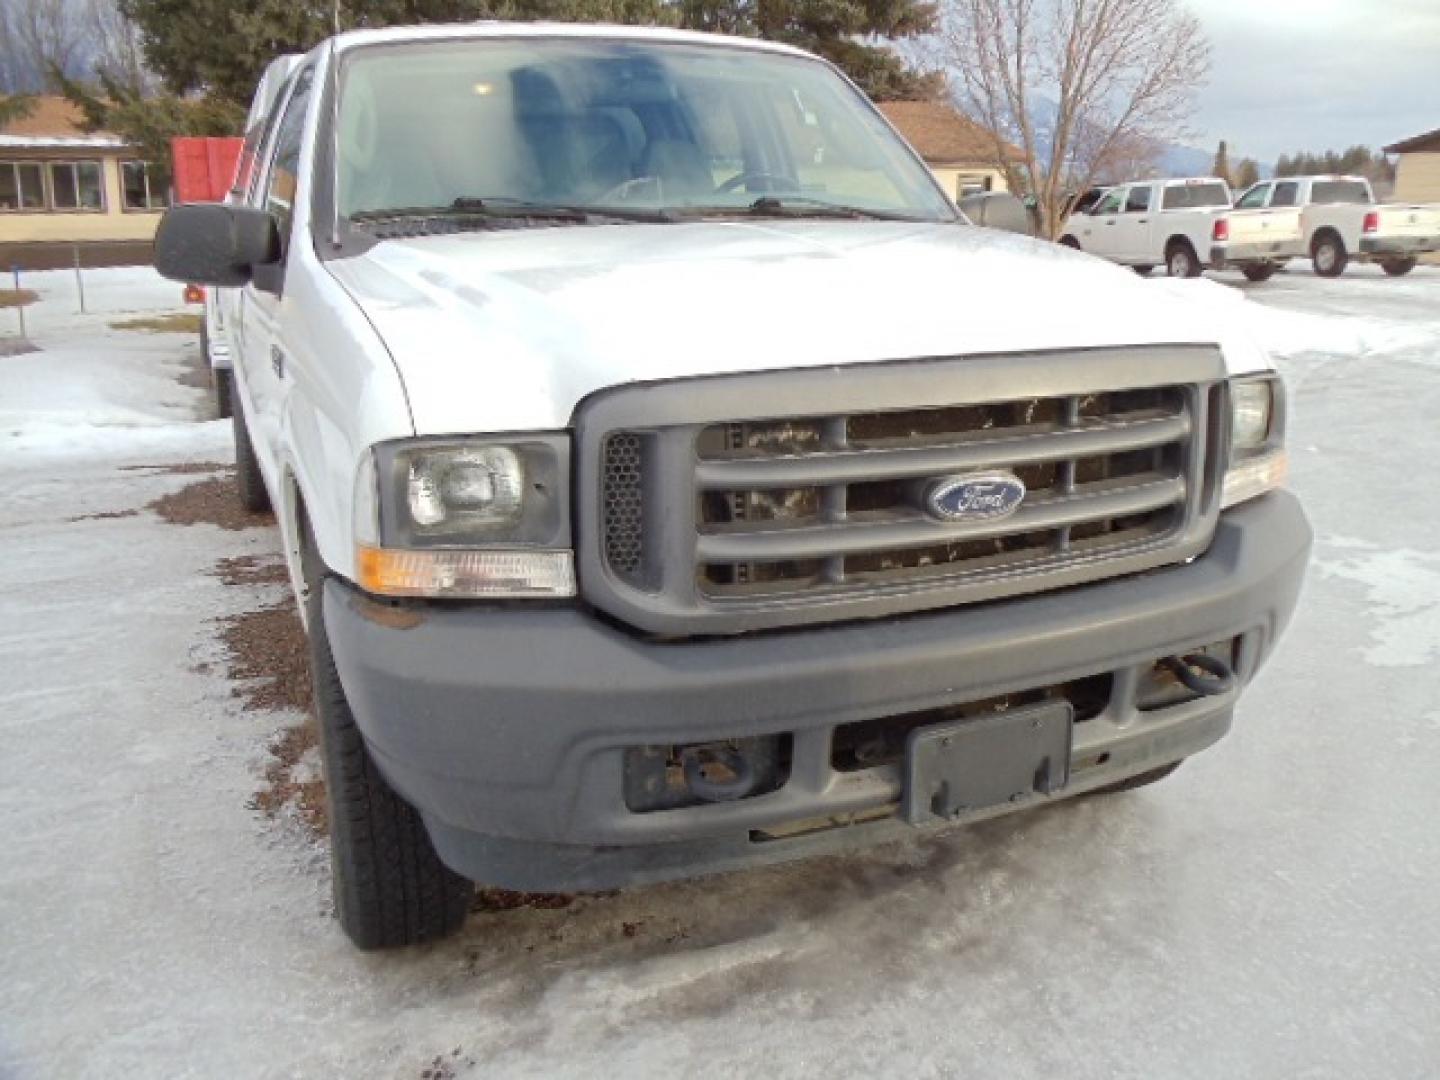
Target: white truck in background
1342 221
1151 223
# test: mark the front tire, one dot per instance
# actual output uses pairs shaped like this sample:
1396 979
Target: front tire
249 483
1329 256
1182 262
391 890
1397 267
1259 271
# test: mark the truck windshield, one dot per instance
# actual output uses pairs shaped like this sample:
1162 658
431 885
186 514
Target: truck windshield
1336 192
1194 196
596 124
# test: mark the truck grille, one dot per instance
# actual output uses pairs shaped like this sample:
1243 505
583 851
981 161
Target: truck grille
716 523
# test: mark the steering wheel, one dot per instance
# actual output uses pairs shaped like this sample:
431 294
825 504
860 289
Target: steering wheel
787 183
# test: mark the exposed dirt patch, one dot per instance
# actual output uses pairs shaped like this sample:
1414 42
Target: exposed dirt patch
251 570
267 649
209 502
268 658
106 515
509 900
17 297
288 783
181 322
183 468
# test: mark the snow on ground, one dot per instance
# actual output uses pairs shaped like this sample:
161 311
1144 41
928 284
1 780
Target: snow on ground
1269 911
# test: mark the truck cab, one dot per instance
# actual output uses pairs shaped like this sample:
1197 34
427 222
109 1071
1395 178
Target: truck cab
673 480
1341 222
1151 223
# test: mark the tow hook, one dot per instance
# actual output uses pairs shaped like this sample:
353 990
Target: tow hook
1213 677
718 773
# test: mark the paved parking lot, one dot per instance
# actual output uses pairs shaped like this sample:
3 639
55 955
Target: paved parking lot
1269 911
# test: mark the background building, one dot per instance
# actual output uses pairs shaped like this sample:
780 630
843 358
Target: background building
1417 177
63 189
959 151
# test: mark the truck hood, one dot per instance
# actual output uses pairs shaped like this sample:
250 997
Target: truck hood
510 330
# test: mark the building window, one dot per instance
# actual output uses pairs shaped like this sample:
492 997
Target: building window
76 185
22 187
142 192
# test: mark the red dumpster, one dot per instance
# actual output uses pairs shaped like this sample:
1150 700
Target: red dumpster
204 167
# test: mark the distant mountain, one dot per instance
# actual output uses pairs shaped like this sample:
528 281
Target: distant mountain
1181 160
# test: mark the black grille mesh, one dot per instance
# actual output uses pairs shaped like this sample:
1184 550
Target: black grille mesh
624 504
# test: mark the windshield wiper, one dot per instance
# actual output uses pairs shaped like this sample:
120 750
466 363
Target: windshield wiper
800 206
506 208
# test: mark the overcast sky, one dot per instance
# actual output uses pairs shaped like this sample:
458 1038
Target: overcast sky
1314 75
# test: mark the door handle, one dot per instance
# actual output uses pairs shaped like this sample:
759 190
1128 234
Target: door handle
1143 221
277 361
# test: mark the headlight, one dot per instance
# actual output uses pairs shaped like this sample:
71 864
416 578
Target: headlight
1258 462
478 518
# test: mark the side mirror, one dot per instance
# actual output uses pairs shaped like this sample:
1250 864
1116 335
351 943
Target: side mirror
215 244
997 210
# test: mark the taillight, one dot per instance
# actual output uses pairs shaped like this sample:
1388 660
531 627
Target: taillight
1372 222
1221 231
194 294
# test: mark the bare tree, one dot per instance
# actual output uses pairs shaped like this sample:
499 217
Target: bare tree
1106 77
117 50
42 36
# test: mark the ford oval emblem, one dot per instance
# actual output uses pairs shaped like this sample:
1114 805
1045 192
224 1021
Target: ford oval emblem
977 497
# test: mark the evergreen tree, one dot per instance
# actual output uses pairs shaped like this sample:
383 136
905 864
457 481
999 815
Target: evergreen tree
1221 168
832 28
1247 174
221 46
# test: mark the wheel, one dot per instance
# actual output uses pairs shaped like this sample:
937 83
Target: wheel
249 484
1070 242
222 388
1259 271
1329 255
1144 779
1397 267
1143 271
1181 261
391 889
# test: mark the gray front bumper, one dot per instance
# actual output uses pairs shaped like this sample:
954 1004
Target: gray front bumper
507 727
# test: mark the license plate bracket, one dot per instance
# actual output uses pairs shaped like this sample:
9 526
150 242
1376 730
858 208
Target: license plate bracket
962 766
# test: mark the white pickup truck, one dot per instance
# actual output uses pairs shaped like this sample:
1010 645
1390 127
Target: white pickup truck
672 480
1171 223
219 303
1342 222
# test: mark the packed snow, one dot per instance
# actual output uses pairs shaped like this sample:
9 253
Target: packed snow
1271 910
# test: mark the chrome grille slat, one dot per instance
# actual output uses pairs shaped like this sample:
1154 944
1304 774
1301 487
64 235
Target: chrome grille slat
858 535
855 466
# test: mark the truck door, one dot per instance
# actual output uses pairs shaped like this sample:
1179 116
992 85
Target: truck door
262 303
1098 233
1132 228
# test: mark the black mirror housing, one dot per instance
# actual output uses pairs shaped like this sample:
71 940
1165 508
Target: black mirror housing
215 244
997 210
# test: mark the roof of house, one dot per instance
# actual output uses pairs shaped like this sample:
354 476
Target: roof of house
1427 143
941 134
53 123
